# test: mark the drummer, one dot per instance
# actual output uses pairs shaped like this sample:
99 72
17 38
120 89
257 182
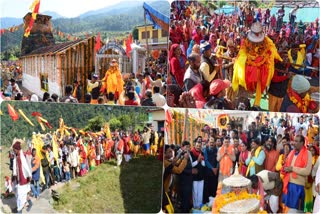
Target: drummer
268 185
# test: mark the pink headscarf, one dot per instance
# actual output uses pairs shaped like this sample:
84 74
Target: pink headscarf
197 94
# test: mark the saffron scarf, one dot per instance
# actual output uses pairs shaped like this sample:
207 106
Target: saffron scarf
298 61
225 163
251 164
301 161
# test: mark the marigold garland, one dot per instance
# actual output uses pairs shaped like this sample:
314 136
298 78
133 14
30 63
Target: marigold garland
224 199
301 103
254 55
253 51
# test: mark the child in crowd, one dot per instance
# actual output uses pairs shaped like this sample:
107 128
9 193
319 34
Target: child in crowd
56 172
66 170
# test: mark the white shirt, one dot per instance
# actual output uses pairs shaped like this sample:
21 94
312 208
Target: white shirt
12 91
74 158
51 158
159 99
281 130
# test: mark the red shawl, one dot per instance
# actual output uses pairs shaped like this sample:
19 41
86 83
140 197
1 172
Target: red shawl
175 67
301 161
196 153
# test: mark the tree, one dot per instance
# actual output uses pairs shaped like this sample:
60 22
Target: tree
95 124
126 121
135 33
114 124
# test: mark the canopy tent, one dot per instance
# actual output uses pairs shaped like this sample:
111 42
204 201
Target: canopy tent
158 19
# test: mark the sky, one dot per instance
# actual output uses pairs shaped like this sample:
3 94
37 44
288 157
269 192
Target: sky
66 8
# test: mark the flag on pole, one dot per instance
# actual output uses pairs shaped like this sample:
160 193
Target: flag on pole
35 10
98 43
12 112
128 45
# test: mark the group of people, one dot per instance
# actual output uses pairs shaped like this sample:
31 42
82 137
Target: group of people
47 162
279 155
145 88
223 61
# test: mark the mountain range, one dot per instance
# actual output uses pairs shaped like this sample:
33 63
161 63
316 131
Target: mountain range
110 22
120 8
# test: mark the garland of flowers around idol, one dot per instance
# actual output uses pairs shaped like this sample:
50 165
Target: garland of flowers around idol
224 199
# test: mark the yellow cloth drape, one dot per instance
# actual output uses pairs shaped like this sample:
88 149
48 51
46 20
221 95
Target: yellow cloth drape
239 67
38 143
112 80
300 58
251 164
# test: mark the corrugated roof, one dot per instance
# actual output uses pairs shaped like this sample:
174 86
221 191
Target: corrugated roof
52 49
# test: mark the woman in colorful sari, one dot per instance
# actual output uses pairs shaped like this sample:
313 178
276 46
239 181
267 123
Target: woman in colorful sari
91 155
177 63
283 157
242 159
136 143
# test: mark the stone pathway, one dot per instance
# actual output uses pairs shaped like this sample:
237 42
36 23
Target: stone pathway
43 205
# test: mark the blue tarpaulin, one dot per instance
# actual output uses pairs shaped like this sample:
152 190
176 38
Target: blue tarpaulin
226 9
158 19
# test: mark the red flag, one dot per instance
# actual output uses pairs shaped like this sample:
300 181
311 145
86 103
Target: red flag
2 31
98 43
35 10
128 45
48 125
14 115
36 114
168 117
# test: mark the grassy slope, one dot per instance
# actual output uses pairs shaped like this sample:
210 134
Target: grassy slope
135 187
4 167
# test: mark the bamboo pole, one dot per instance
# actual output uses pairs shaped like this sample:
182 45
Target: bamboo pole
185 124
145 28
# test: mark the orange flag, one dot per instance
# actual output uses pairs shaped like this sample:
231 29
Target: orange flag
14 115
98 43
128 45
35 10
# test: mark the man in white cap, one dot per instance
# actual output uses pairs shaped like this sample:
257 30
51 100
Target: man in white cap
207 66
297 99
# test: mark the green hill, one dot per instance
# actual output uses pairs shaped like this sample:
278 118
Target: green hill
75 115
